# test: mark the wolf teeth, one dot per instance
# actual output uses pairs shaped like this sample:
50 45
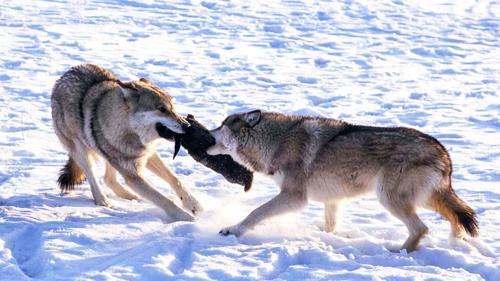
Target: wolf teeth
177 146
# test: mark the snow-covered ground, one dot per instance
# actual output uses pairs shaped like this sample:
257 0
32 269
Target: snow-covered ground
392 63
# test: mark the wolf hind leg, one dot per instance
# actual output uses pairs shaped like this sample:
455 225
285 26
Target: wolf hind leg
406 212
416 228
110 178
83 157
71 174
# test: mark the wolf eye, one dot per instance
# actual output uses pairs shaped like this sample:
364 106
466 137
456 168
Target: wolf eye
162 109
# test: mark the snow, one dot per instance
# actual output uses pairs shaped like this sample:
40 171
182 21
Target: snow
431 66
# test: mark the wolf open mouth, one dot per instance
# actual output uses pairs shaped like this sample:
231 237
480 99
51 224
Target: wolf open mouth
168 134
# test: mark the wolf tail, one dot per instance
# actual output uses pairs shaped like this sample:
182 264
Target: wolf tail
449 205
69 176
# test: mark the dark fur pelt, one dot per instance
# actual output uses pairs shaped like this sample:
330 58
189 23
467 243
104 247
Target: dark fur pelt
196 140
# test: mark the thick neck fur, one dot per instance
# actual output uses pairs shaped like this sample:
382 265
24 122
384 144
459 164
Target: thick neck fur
280 142
115 120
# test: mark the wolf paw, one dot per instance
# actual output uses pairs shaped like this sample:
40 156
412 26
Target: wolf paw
191 204
181 216
400 250
236 230
103 202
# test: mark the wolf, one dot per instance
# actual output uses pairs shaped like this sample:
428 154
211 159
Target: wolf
97 116
330 160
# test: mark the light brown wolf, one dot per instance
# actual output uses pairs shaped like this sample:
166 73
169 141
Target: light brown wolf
328 160
95 115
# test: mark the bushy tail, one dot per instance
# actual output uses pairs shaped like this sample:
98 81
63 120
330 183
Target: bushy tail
449 205
69 176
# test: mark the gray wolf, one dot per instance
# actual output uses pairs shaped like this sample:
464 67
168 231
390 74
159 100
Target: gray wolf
329 160
97 116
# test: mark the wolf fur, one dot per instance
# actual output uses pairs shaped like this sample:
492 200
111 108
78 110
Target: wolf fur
95 115
329 160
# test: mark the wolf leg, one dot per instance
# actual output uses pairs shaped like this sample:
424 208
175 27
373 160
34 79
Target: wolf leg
83 157
112 182
400 192
416 228
286 201
331 221
144 189
156 165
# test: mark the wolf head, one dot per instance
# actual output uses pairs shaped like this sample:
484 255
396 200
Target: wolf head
237 135
148 105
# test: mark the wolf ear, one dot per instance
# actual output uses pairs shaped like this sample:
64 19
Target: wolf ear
130 95
252 118
145 80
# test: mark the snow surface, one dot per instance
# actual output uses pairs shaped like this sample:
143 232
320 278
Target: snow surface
434 67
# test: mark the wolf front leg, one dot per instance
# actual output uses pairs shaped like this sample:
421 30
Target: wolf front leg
156 165
331 219
145 190
290 199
